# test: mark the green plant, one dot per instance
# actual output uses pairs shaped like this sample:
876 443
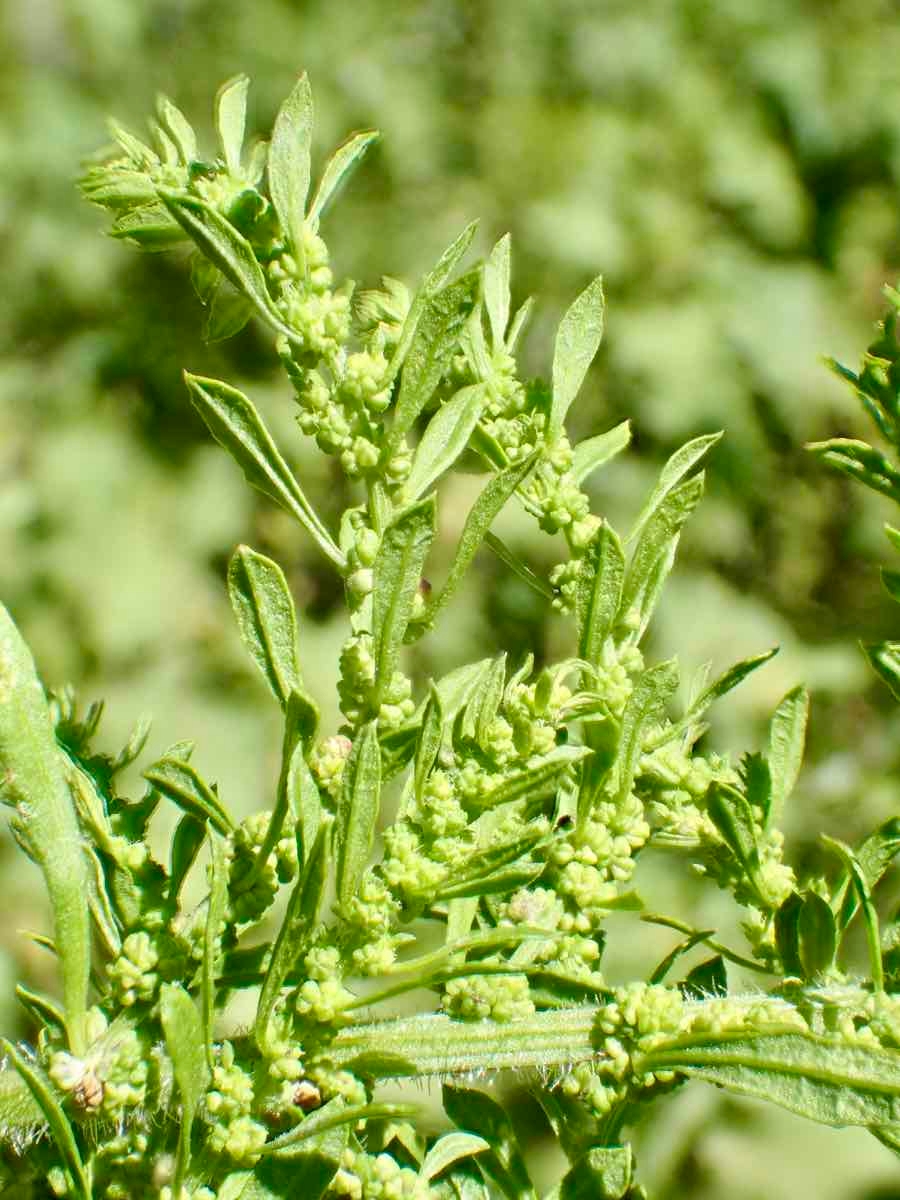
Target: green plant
511 803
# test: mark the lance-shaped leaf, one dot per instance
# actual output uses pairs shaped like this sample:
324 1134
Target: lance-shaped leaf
598 596
787 737
874 856
228 249
431 284
539 781
477 1113
496 291
884 659
861 462
185 1043
577 341
21 1117
445 438
651 692
864 897
604 1173
675 469
183 784
482 706
189 836
340 167
61 1131
448 1150
398 571
149 227
358 811
266 618
179 129
231 117
433 345
295 935
32 780
481 516
229 312
215 921
816 935
654 553
289 161
828 1080
592 453
429 742
236 425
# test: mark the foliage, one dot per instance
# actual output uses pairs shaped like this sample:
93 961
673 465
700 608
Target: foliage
510 802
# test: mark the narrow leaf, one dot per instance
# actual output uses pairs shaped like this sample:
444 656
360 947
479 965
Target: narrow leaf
447 1150
594 452
672 473
185 1043
236 425
398 571
445 438
496 290
189 836
185 787
787 736
864 897
231 116
651 692
340 167
178 128
429 742
598 594
884 659
577 341
215 923
289 161
32 780
874 856
358 811
816 935
264 609
477 1113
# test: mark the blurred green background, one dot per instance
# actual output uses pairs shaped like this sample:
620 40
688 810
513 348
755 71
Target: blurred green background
731 168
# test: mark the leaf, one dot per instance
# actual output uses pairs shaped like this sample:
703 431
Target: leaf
481 515
496 290
652 690
215 921
787 736
429 741
186 1046
864 896
475 1112
340 167
358 811
445 438
604 1173
229 312
295 935
189 836
236 425
228 249
149 227
398 571
816 935
884 659
519 324
594 452
336 1114
306 802
264 609
178 128
485 700
538 781
60 1129
433 345
828 1080
32 780
290 163
861 462
185 787
518 566
447 1150
874 856
672 473
577 341
707 979
654 553
598 593
21 1117
732 816
231 116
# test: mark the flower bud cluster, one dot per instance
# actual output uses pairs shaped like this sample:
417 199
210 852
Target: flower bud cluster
500 998
227 1107
364 1176
249 903
356 687
133 974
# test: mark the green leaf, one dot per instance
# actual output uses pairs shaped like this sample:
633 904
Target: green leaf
577 341
864 896
295 935
445 438
489 503
60 1128
229 312
178 128
598 593
538 781
874 856
185 787
185 1043
231 116
429 741
189 836
236 425
32 780
651 692
485 700
215 923
709 978
594 452
340 167
21 1117
787 737
475 1112
672 473
828 1080
150 227
289 161
519 325
358 811
336 1114
884 658
266 618
732 816
654 553
604 1173
496 290
228 249
306 802
816 935
787 934
398 572
518 566
861 462
433 345
447 1150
